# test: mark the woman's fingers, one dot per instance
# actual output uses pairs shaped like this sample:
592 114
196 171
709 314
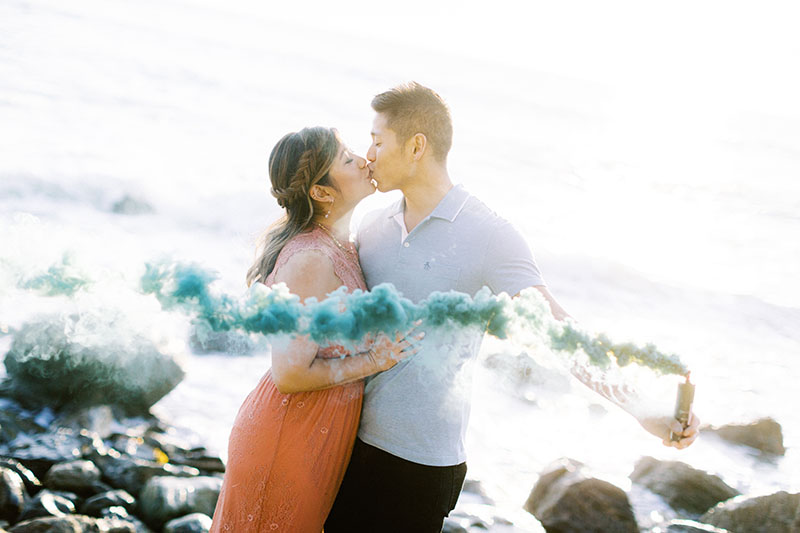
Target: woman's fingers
399 336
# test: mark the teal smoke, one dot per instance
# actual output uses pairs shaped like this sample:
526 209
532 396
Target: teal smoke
59 279
350 316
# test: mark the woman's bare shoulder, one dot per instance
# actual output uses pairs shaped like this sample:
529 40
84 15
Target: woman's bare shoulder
308 273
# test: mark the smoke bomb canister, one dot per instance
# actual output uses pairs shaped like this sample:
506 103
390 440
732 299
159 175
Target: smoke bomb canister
683 406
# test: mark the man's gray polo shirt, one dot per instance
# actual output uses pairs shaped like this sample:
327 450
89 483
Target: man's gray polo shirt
418 410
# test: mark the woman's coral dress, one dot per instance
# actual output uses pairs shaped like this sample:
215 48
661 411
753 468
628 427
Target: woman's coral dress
287 453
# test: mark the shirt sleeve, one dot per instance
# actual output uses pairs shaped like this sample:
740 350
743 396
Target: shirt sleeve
509 265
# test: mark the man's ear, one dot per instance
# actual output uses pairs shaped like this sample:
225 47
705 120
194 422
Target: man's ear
419 143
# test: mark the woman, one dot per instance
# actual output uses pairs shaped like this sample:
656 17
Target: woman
292 438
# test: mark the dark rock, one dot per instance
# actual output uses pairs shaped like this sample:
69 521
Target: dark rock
133 447
765 435
132 474
115 511
41 452
565 499
81 477
47 504
73 524
55 524
199 460
121 513
94 505
115 525
51 363
690 526
12 495
32 483
130 205
453 525
191 523
775 513
682 487
97 420
164 498
14 420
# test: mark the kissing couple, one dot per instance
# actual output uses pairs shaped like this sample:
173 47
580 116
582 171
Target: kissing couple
372 439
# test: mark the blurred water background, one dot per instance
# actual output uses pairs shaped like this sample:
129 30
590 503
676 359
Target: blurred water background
650 154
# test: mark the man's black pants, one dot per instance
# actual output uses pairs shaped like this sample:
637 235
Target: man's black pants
384 493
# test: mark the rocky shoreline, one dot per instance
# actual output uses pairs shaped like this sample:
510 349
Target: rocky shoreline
80 451
568 498
97 469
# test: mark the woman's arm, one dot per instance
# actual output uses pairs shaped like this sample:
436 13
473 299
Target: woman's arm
291 373
295 366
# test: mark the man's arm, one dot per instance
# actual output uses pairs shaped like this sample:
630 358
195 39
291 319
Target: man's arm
626 397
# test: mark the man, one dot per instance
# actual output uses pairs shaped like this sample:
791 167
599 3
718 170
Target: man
408 464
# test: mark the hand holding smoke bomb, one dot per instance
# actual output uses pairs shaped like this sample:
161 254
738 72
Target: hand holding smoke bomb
683 406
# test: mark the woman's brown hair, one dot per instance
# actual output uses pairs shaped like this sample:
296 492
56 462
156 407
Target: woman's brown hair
299 161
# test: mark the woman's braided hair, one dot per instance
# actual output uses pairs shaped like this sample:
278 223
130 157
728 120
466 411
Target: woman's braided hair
299 161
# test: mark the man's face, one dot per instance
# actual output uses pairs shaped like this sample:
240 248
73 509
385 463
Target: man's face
389 167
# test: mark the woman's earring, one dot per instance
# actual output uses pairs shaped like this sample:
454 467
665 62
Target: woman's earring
329 210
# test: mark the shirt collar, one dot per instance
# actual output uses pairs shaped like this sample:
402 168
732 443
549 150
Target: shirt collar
448 208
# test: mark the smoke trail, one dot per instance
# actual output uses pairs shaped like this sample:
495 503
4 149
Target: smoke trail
349 317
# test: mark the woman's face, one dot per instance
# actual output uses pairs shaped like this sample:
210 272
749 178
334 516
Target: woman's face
352 178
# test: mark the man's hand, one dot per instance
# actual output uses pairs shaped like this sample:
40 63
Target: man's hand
664 426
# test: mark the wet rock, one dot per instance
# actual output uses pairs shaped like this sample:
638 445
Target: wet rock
115 511
81 477
121 514
133 446
131 205
73 524
454 525
40 452
682 487
199 460
54 362
92 420
179 452
115 525
47 503
55 524
15 420
765 435
165 498
132 474
115 498
12 495
690 526
566 499
191 523
775 513
32 483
